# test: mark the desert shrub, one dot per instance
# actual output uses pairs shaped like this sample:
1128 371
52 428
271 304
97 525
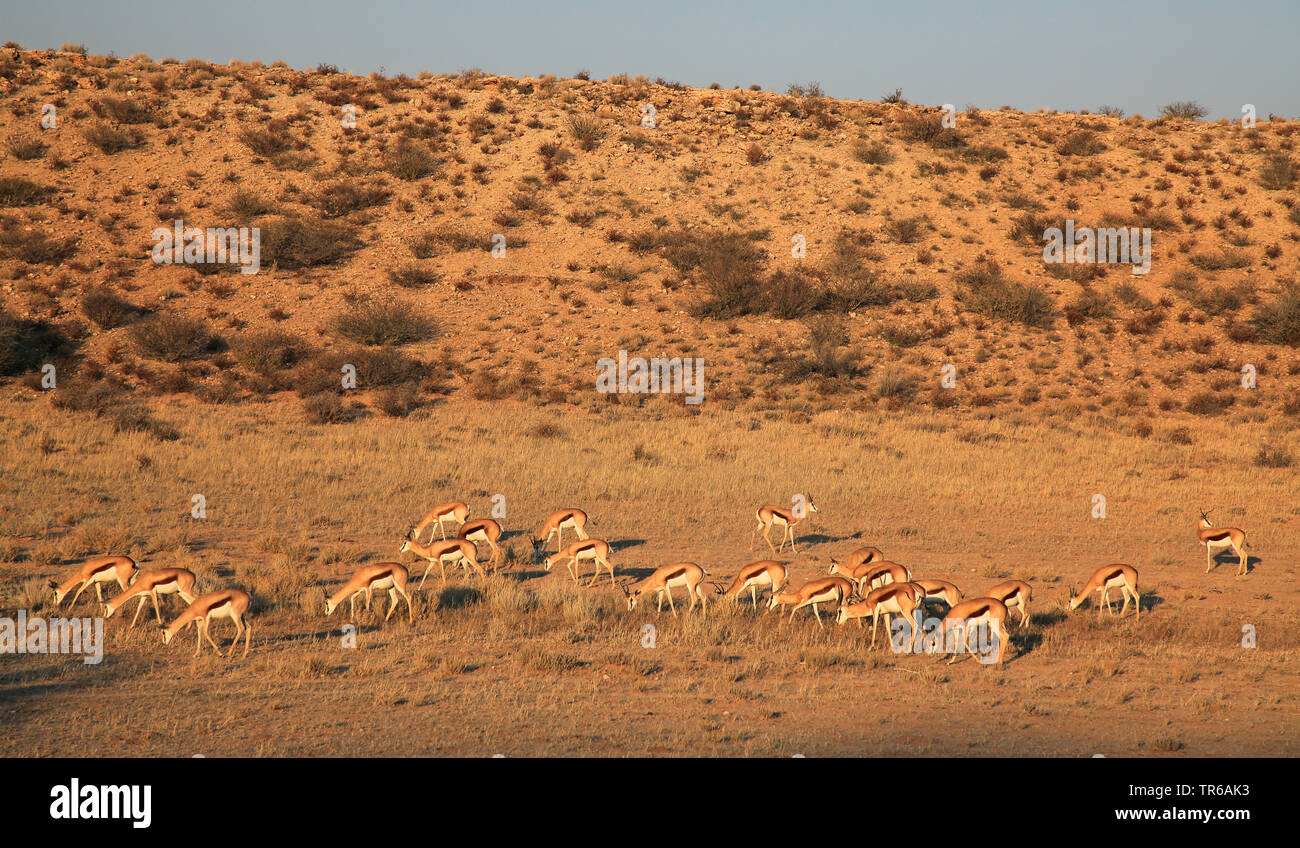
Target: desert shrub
107 309
413 277
1029 226
791 294
384 323
426 245
1278 322
109 139
986 291
344 197
826 355
1080 143
872 153
375 368
929 129
906 230
267 351
1273 456
1278 172
1209 403
896 381
172 338
125 110
1188 110
132 418
1090 305
586 131
245 206
26 344
294 242
26 148
1224 260
324 408
16 191
398 402
266 142
36 247
754 155
409 160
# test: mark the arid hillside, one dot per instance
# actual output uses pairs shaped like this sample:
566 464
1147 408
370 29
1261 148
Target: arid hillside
379 203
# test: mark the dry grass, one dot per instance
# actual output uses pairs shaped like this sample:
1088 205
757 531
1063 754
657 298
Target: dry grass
289 520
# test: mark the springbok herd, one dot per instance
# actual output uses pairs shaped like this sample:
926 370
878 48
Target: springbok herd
864 585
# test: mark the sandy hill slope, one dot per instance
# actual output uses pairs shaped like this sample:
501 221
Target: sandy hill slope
379 203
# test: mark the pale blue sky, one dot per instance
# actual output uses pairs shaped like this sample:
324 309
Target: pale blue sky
1136 55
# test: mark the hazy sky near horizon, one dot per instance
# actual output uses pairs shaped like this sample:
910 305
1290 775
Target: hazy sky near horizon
1135 55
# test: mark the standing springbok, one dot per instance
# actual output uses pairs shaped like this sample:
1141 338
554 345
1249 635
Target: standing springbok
769 515
1218 539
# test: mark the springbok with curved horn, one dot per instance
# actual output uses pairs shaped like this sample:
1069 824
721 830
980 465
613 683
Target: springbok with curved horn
893 598
1115 576
456 550
149 584
573 553
965 615
1015 594
824 590
574 519
456 511
392 576
858 557
96 572
769 515
1218 539
484 530
229 603
664 580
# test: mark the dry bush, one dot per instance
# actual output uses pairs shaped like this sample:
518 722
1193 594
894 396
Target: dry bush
110 140
985 291
409 160
36 246
1279 322
295 242
586 130
107 309
413 277
269 351
1081 143
26 344
172 338
26 148
384 323
345 196
872 153
1187 110
16 191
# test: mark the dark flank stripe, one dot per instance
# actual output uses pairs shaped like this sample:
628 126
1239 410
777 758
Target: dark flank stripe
678 573
1219 538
